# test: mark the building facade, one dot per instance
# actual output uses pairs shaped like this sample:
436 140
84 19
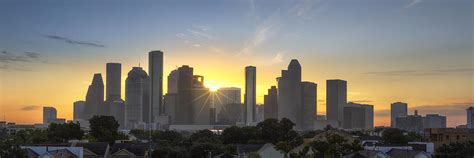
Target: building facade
78 113
470 117
434 121
289 94
336 99
155 70
250 94
137 95
397 109
94 97
49 115
309 105
270 103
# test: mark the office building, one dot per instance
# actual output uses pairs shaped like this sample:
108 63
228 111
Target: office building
78 113
270 103
336 99
309 105
227 95
470 117
397 109
201 108
250 94
289 94
155 68
113 81
137 95
434 121
410 123
49 115
445 136
230 114
184 107
358 116
94 97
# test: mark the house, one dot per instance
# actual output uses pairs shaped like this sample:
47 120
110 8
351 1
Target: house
264 150
129 150
226 155
367 154
400 153
51 151
94 149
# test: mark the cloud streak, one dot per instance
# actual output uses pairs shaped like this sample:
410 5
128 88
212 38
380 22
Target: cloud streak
436 72
412 3
30 108
71 41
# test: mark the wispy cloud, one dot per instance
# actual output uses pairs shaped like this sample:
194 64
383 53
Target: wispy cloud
278 57
30 108
18 61
435 72
265 30
303 8
196 35
412 3
71 41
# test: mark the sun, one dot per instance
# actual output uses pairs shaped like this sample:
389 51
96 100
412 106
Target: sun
213 88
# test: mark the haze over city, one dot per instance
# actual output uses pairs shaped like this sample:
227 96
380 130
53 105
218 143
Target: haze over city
415 51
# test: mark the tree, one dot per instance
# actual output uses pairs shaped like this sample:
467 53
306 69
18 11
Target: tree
105 129
335 145
204 136
59 133
169 137
465 149
393 136
232 135
7 149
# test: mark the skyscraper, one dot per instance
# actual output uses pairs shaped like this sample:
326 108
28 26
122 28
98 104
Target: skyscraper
250 94
309 105
270 103
95 97
228 105
137 96
78 113
289 94
336 99
184 106
200 105
470 117
114 77
155 68
49 115
396 110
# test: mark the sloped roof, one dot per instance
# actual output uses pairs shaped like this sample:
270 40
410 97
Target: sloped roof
399 153
99 148
137 149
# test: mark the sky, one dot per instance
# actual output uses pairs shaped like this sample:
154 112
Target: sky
414 51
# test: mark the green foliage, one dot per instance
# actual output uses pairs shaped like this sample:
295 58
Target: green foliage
59 133
334 145
30 136
105 129
394 136
204 136
254 155
7 149
455 150
169 137
413 137
199 150
168 151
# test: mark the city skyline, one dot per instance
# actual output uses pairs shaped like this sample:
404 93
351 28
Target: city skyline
428 72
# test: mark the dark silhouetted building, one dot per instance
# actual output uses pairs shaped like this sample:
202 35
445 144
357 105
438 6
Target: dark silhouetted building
201 110
289 94
470 117
336 100
114 105
358 116
309 105
155 68
270 103
95 97
434 121
250 94
78 113
184 106
137 95
410 123
396 110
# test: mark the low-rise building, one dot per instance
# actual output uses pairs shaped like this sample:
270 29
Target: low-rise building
445 136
